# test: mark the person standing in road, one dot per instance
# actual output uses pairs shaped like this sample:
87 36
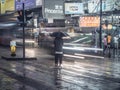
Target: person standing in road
116 41
115 44
109 39
104 44
58 46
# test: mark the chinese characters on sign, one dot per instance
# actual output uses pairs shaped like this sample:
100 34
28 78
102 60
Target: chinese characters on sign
53 10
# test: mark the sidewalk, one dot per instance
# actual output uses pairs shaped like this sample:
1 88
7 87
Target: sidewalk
29 52
17 78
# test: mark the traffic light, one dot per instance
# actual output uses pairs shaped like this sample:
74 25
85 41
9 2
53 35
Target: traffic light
20 17
28 15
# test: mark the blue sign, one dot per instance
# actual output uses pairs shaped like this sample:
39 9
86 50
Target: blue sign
28 4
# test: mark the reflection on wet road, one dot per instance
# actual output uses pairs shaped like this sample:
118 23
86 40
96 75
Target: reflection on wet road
100 74
92 75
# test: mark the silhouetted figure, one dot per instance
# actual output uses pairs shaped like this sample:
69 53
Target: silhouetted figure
104 44
58 46
109 39
115 49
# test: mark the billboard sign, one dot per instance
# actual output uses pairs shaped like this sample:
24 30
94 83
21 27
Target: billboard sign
89 21
73 8
112 5
107 5
2 3
9 5
53 9
93 6
6 5
28 4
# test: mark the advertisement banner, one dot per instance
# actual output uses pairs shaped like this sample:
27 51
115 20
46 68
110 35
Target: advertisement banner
93 6
112 5
89 21
74 8
28 4
107 5
9 5
3 6
53 9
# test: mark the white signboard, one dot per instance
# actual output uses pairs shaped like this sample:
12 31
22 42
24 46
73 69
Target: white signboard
93 6
50 20
74 8
38 2
35 22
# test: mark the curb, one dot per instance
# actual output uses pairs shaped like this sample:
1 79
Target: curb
18 58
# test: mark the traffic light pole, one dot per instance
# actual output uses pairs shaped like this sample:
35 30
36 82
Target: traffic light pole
22 19
23 31
100 33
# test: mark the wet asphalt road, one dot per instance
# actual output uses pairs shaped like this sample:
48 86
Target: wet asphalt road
76 74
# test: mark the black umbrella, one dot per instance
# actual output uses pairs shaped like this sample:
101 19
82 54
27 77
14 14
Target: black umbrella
59 34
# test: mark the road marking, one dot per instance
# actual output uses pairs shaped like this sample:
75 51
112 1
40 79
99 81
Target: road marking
74 56
88 55
80 39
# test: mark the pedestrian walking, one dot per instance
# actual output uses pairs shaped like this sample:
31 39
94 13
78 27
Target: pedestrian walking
109 39
115 39
58 46
104 44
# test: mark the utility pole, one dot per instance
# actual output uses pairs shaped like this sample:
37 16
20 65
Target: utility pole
100 33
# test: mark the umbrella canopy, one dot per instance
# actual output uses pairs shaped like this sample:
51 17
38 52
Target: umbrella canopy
58 34
58 41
